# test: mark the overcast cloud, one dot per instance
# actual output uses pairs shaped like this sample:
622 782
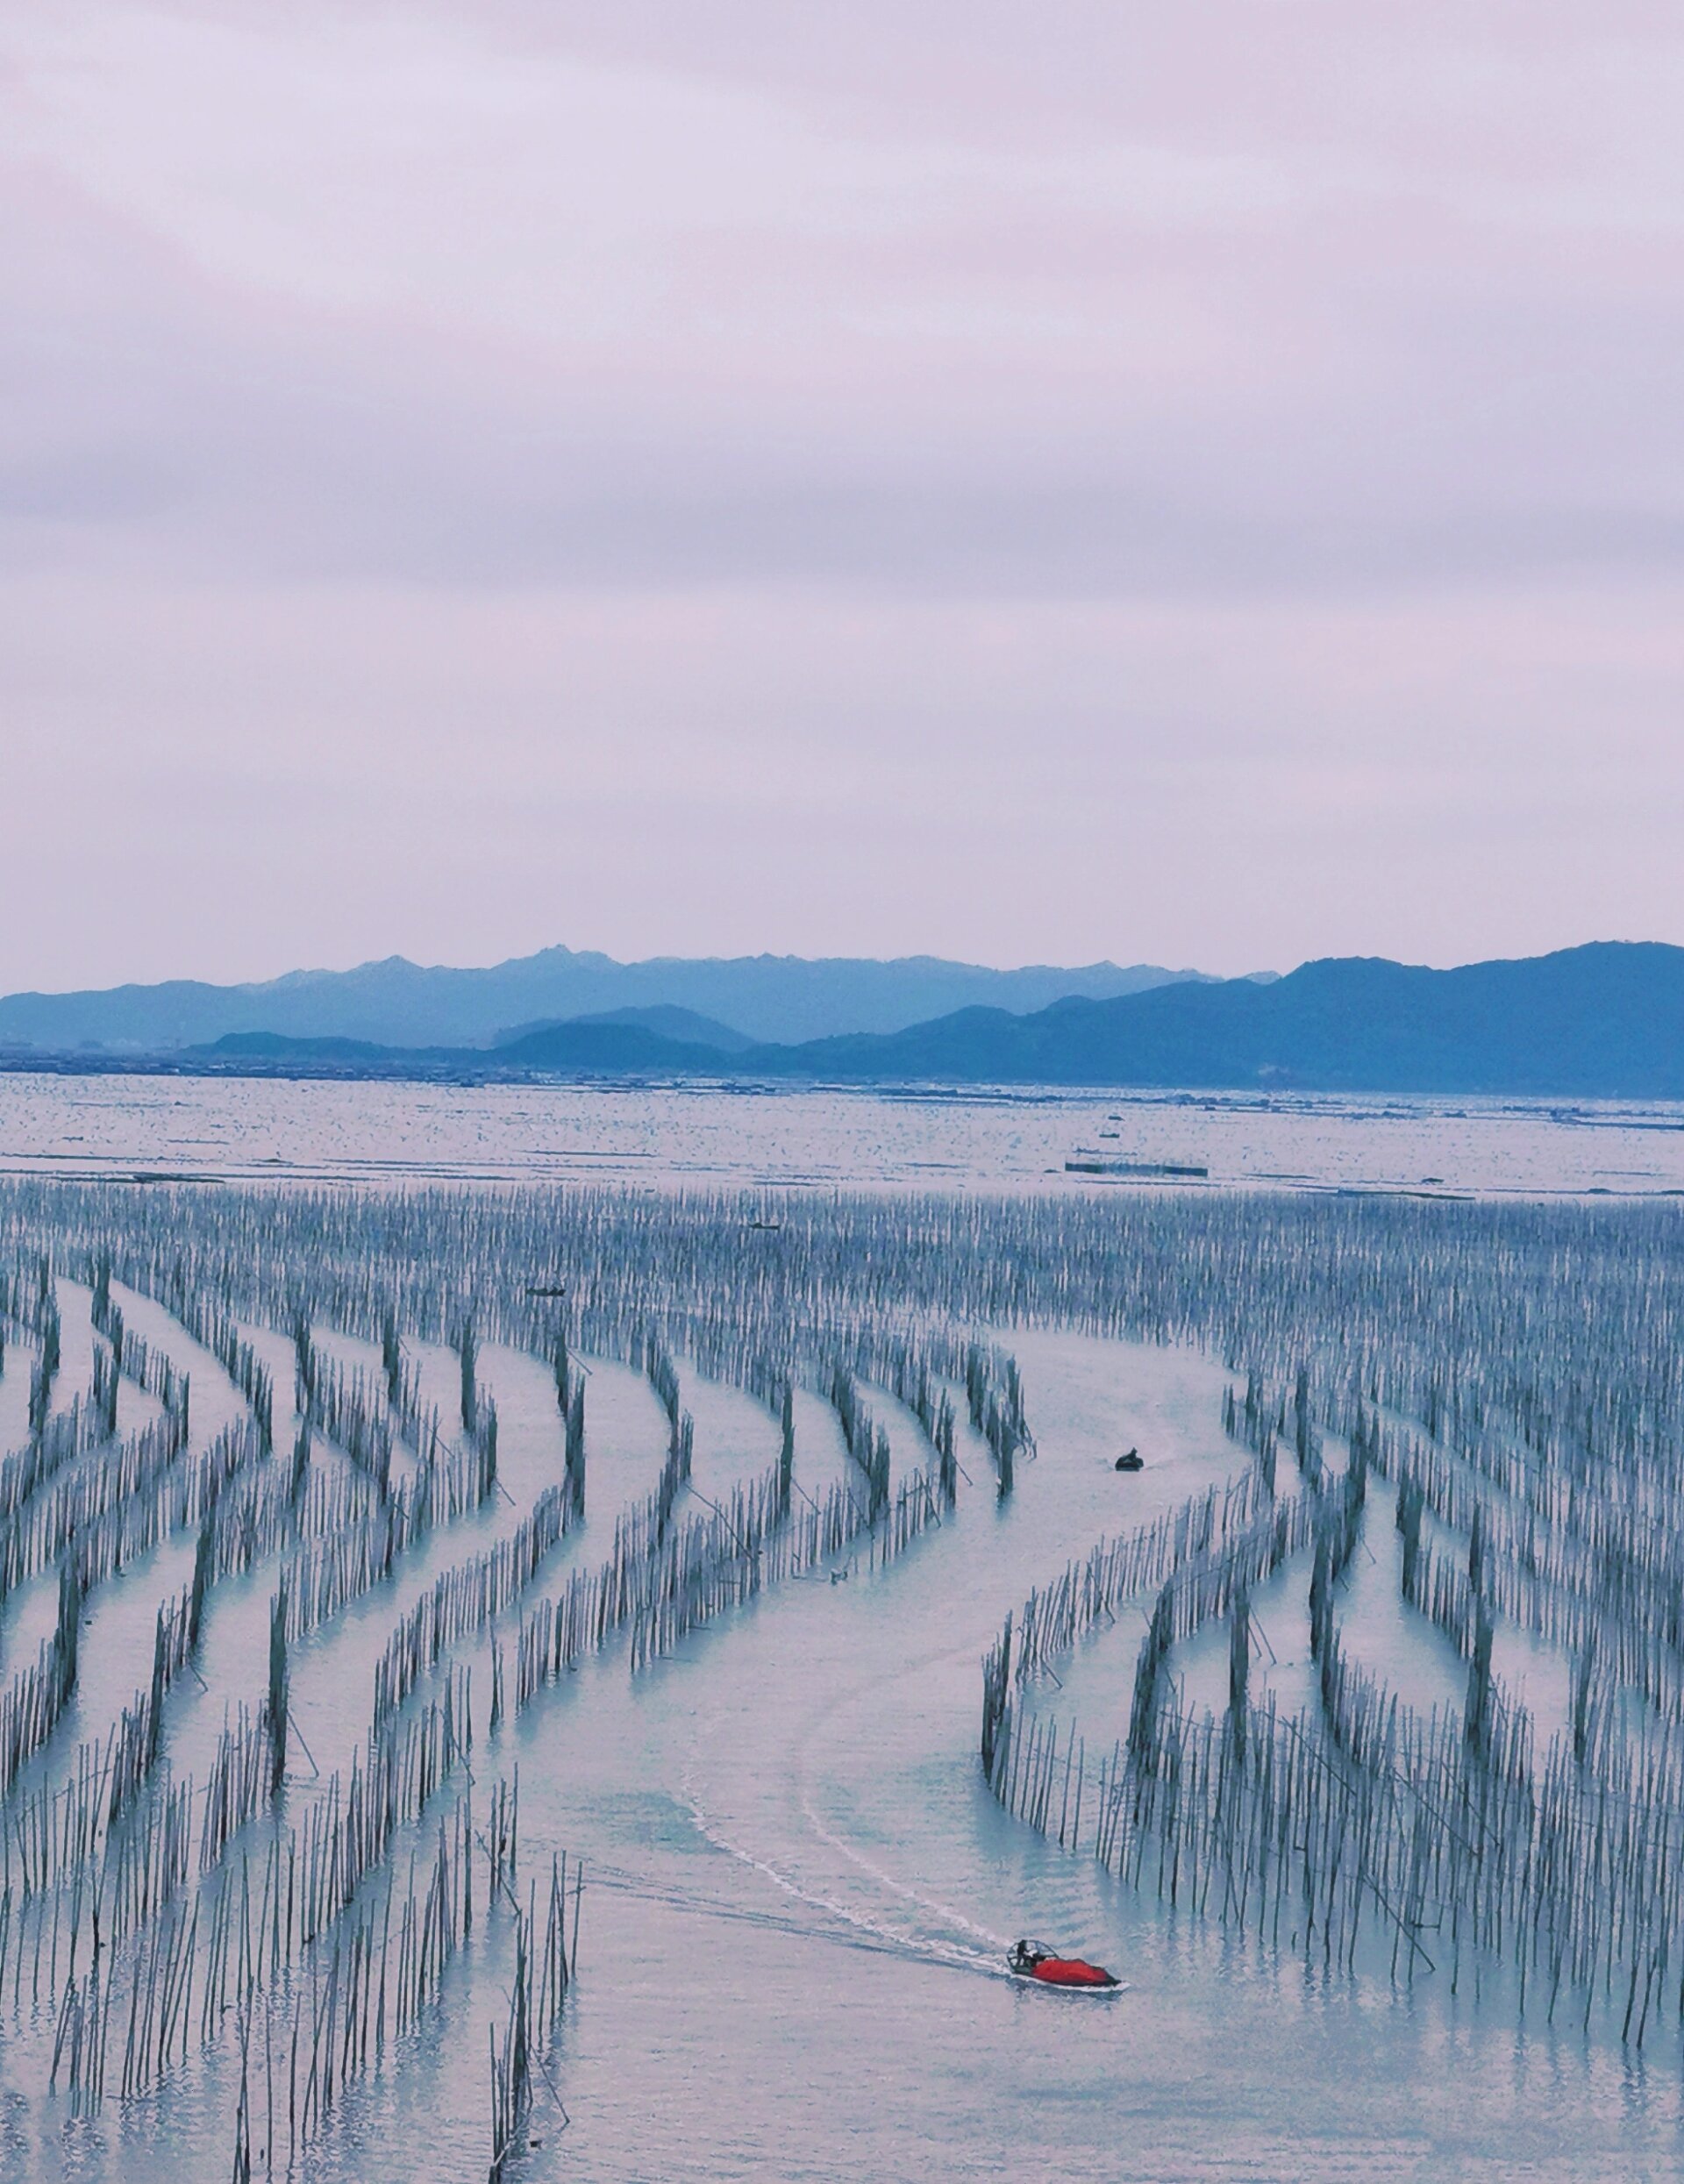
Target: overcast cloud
1201 483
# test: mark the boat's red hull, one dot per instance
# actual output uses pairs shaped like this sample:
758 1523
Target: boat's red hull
1071 1972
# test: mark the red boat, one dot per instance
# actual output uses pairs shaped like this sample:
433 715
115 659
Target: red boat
1033 1960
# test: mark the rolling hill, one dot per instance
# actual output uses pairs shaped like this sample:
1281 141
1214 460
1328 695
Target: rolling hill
1601 1021
1605 1020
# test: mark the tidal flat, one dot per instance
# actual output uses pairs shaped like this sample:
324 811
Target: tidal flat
565 1632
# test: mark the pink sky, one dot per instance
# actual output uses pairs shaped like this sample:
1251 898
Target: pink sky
1192 484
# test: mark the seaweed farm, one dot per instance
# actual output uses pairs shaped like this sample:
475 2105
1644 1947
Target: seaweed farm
545 1680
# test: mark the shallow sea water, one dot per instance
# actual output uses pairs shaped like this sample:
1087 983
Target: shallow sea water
799 1889
264 1129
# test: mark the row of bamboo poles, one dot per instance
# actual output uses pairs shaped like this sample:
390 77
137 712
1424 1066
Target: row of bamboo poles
148 1914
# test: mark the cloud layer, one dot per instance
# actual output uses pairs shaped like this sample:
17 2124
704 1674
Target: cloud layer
1199 483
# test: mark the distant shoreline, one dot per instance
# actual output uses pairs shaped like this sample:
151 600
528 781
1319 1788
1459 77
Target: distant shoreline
1565 1108
1601 1022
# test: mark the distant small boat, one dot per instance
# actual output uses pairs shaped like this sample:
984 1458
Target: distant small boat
1034 1960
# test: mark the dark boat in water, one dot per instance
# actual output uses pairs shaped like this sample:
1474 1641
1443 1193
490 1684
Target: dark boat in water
1086 1161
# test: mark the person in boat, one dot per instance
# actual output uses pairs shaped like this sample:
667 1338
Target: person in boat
1130 1460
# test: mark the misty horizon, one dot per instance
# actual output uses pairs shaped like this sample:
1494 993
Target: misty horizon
1112 959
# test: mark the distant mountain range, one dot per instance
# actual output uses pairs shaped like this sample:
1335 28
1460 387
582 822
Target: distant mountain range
1606 1020
751 999
1602 1021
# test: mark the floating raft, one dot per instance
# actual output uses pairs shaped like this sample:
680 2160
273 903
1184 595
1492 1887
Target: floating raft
1099 1164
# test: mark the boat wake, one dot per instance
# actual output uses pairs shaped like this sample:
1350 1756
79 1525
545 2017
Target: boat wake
860 1930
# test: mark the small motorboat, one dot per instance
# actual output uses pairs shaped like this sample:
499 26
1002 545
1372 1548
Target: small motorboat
1130 1460
1034 1960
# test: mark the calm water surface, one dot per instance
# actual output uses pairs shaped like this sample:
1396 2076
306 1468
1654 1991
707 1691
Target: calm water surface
800 1889
263 1129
